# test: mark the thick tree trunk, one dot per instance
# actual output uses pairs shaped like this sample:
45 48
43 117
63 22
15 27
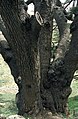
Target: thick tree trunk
24 43
56 102
62 70
30 39
20 42
44 40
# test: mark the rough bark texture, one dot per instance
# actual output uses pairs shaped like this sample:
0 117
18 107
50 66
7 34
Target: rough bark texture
61 72
56 87
64 31
42 84
23 41
59 16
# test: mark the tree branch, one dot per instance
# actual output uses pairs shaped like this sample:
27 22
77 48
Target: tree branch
68 4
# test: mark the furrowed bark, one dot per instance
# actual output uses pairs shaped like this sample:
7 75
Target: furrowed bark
64 31
62 69
20 42
42 84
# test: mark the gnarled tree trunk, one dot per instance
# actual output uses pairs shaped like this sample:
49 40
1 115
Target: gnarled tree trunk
42 84
61 72
24 42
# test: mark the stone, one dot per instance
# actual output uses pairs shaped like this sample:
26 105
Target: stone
15 117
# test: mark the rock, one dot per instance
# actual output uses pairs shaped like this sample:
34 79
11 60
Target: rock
2 104
2 117
15 117
56 117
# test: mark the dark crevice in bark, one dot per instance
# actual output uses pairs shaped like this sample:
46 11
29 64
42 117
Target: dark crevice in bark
59 86
20 43
60 75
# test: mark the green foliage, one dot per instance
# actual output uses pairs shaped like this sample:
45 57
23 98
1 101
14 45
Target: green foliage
73 107
74 10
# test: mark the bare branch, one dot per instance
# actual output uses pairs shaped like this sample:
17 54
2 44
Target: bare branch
68 4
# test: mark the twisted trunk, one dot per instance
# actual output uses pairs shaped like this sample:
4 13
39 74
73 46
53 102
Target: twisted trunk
42 85
24 42
61 71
